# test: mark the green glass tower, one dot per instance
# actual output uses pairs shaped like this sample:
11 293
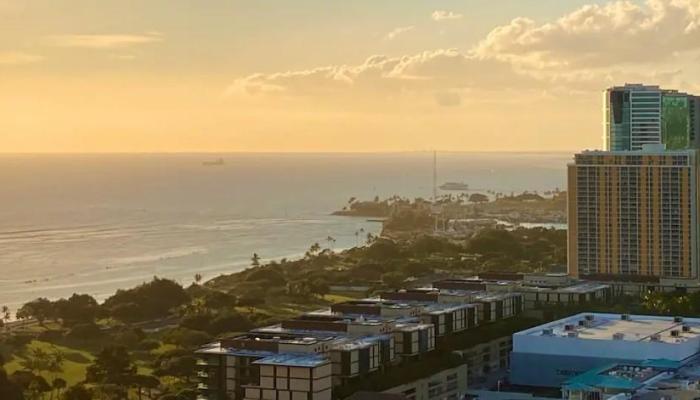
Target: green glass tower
635 115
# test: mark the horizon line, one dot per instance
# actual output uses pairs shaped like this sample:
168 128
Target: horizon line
369 152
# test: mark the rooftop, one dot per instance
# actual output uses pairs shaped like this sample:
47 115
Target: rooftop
618 327
616 376
576 288
309 360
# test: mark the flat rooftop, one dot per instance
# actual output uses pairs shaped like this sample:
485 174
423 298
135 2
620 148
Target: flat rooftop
616 376
613 327
576 288
308 360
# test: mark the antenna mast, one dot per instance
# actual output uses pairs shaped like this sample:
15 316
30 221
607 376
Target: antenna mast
434 176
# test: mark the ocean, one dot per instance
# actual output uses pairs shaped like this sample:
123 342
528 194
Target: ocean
96 223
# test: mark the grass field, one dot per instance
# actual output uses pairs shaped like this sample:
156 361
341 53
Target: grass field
76 362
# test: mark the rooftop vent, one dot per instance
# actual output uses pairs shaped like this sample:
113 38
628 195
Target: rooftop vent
618 336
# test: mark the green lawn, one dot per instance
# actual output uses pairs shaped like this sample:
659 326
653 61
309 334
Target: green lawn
74 366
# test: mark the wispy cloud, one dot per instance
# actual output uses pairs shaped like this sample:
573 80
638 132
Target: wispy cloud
398 32
442 15
105 41
18 58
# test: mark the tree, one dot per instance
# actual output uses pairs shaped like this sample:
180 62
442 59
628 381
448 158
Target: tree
141 382
36 361
77 392
393 280
319 286
9 390
255 260
112 365
186 338
495 242
5 314
79 308
41 309
250 301
331 241
84 331
57 385
148 301
178 365
478 198
313 250
39 386
197 278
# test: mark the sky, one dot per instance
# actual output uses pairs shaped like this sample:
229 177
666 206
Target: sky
325 75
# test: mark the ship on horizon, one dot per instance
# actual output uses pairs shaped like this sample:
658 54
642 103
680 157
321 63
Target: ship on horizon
214 163
461 186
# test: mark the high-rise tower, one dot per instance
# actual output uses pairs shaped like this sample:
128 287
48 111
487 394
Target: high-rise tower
634 213
636 114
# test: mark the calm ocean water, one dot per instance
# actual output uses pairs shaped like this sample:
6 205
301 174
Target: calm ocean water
96 223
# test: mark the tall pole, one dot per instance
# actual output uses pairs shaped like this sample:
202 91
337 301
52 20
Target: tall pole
434 176
435 189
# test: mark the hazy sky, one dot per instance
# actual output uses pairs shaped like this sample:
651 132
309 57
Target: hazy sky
327 75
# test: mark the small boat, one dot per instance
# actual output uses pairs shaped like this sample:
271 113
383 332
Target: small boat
454 186
214 163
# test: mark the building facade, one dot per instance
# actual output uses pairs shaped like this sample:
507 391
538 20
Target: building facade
571 346
633 213
450 384
635 115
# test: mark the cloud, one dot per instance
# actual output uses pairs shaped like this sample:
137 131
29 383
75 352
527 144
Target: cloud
105 41
122 57
439 70
442 15
398 32
582 51
600 35
18 58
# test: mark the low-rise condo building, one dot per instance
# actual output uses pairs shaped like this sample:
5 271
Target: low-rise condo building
571 346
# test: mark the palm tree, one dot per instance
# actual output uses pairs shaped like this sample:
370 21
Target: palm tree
197 278
370 238
331 242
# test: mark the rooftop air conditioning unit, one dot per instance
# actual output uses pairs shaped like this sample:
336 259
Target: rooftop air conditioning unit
581 322
678 320
589 317
572 334
655 337
686 328
568 327
675 333
548 332
625 317
618 336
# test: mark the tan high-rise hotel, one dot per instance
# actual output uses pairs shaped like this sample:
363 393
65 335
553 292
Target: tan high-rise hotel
634 213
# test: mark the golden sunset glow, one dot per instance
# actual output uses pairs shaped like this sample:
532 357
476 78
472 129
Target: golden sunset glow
316 75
